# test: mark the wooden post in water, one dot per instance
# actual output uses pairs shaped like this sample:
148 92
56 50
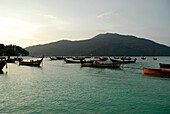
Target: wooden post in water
123 61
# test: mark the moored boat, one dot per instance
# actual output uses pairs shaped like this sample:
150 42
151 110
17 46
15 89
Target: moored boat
31 62
78 58
125 58
60 57
124 61
77 61
162 65
154 58
103 58
2 62
156 71
57 58
116 57
143 58
52 58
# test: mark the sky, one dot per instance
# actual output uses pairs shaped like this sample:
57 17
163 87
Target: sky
32 22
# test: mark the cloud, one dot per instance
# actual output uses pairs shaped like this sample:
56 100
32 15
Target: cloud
107 14
104 15
50 16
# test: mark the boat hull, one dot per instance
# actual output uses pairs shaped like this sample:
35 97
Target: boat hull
78 61
37 63
164 65
126 61
31 63
156 71
2 64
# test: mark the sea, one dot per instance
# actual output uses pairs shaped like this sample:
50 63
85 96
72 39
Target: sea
58 87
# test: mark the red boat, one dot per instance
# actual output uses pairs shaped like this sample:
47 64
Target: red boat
156 71
164 65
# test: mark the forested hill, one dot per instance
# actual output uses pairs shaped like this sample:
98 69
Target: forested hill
12 50
103 44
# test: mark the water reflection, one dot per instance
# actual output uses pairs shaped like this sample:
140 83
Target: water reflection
3 73
99 68
159 76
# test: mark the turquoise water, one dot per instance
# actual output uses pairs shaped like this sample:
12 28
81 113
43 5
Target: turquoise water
69 88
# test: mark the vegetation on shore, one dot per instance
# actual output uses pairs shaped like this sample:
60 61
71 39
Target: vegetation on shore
12 50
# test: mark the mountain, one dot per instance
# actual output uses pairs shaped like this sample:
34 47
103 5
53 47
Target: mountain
12 50
103 44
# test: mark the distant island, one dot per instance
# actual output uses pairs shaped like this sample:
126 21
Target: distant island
12 50
102 45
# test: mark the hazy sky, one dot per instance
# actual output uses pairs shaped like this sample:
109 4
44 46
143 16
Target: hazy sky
30 22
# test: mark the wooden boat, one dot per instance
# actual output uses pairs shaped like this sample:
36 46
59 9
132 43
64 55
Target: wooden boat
124 61
2 63
162 65
71 61
125 58
31 62
116 57
60 58
154 58
57 58
101 65
77 61
156 71
52 58
78 58
143 58
87 57
103 58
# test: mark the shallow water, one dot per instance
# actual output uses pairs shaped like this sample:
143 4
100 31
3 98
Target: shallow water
58 87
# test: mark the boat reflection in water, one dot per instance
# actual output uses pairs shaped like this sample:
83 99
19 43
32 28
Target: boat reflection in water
102 65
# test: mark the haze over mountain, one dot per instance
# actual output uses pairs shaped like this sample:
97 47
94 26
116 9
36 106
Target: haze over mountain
102 45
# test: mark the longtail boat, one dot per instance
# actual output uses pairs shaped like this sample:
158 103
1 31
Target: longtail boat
124 61
77 61
2 63
143 58
154 58
116 57
57 58
162 65
60 58
156 71
31 62
78 58
103 58
102 65
125 58
52 58
71 61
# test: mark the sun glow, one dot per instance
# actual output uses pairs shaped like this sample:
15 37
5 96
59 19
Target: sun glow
14 27
14 31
